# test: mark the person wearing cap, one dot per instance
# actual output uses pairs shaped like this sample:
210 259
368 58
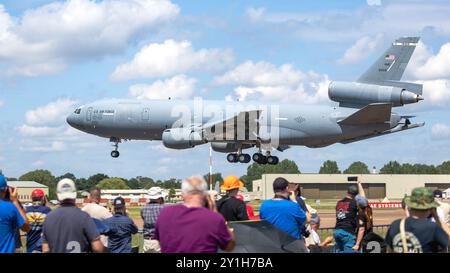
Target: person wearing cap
314 239
283 212
97 211
194 226
36 214
12 217
119 241
149 215
229 206
416 234
349 230
68 229
443 210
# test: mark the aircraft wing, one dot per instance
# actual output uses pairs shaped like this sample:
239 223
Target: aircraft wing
371 114
242 127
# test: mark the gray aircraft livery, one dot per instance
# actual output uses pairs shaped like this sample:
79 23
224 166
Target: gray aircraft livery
364 111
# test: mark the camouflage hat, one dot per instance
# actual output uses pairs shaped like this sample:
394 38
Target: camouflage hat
421 198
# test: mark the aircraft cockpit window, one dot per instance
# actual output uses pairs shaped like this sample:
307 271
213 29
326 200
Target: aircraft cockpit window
78 111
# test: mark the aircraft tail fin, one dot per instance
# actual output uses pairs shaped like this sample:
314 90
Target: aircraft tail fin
392 64
370 114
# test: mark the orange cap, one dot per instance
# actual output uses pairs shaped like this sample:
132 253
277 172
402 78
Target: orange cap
231 182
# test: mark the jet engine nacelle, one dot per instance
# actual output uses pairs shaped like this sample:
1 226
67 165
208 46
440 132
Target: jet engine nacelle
181 138
354 94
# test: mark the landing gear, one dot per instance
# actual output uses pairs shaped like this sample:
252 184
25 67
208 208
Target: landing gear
262 159
241 158
115 153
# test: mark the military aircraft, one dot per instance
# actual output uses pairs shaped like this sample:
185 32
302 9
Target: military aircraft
364 111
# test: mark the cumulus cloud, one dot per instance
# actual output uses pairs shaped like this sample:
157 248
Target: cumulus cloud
255 14
55 146
171 57
33 131
179 86
441 130
45 39
54 113
266 81
361 49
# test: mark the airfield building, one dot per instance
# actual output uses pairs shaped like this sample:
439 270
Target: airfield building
24 189
334 186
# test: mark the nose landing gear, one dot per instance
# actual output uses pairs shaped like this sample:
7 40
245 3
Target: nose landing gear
115 153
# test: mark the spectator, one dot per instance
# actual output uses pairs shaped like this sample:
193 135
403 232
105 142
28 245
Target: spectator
149 215
123 228
229 206
250 213
67 229
97 211
416 234
193 227
12 217
314 238
36 214
444 208
349 229
297 195
282 212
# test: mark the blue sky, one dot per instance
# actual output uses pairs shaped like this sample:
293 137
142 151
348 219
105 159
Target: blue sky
55 55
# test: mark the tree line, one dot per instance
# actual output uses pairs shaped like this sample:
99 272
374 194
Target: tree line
254 172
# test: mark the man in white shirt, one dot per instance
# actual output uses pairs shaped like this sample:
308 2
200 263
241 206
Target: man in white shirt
95 210
443 210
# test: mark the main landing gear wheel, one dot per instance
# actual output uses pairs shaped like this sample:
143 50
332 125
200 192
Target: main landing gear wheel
232 158
262 159
115 154
272 160
244 158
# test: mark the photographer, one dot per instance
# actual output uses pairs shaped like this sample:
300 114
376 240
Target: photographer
194 226
12 215
282 212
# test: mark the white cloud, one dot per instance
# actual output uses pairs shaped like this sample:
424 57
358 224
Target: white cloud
262 73
374 2
441 129
53 113
436 92
428 66
179 86
266 81
255 14
43 40
172 57
55 146
362 48
38 163
35 131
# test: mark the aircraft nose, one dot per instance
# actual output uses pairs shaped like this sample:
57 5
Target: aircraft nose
74 121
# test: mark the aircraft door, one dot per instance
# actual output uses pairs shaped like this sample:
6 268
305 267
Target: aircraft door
146 115
89 114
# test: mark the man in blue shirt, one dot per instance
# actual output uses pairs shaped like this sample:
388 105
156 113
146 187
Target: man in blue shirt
12 217
122 227
282 212
36 214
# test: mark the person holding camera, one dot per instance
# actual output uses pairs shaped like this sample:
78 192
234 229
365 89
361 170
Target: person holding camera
194 226
416 233
12 217
283 212
349 229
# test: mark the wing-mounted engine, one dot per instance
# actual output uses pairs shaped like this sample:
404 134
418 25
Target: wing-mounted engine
182 138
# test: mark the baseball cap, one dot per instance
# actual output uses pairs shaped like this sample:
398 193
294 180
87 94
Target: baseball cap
37 193
119 202
231 182
315 219
280 184
421 199
361 201
156 193
66 189
3 183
